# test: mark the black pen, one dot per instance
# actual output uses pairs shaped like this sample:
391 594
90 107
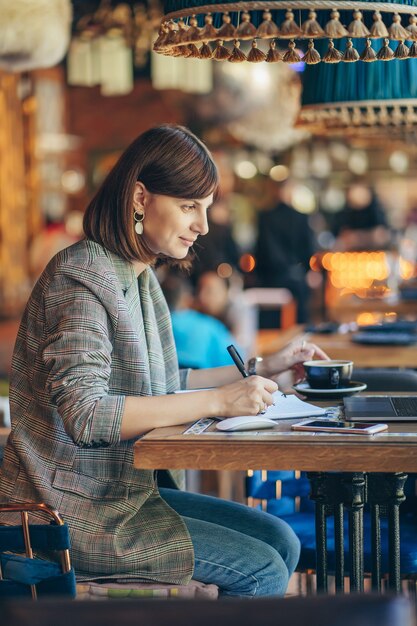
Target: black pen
237 360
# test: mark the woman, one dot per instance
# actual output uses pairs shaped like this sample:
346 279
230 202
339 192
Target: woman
94 368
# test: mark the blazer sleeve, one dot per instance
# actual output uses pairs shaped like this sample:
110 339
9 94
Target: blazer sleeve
77 355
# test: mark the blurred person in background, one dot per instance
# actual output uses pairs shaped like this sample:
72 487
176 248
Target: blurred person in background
362 224
284 246
218 245
201 340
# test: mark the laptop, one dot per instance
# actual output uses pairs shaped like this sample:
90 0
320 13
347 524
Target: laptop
376 408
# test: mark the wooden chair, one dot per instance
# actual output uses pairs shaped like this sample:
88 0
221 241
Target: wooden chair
22 573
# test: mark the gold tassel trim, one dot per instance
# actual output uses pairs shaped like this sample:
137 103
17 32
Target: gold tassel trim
194 52
332 55
160 41
206 52
220 52
311 57
396 30
182 32
291 56
208 32
172 33
193 32
289 29
368 55
256 55
311 27
357 28
378 28
412 27
273 55
401 51
227 31
267 28
412 51
237 56
334 28
350 55
385 54
246 30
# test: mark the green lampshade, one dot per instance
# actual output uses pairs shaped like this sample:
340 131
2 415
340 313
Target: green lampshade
371 94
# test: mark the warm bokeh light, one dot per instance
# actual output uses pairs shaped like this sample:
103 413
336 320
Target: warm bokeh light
245 169
279 173
365 318
355 271
315 263
407 269
224 270
247 263
399 162
303 199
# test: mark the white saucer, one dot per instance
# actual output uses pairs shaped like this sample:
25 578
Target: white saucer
353 387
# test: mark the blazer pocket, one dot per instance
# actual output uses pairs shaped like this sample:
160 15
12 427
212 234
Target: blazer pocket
88 486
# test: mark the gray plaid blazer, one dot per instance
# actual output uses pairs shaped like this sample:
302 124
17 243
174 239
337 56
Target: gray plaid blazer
92 333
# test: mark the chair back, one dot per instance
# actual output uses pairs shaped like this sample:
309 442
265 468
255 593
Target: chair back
22 572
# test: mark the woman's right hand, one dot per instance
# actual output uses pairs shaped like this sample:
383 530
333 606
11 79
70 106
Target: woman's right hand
248 396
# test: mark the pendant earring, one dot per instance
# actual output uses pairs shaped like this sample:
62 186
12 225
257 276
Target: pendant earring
138 217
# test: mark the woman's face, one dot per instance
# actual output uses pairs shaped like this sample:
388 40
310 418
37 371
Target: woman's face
171 225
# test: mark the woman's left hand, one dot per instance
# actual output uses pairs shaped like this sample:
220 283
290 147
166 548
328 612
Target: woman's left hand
292 357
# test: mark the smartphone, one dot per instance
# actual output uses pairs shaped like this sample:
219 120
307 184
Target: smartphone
328 426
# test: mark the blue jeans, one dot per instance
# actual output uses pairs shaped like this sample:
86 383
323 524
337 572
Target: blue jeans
244 551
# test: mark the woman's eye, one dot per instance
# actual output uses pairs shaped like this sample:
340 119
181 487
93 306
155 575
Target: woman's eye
188 207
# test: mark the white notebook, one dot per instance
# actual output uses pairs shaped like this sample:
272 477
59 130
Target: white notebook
289 406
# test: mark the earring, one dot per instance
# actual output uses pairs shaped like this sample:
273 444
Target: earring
138 217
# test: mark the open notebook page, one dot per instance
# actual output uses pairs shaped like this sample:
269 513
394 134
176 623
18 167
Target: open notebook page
291 406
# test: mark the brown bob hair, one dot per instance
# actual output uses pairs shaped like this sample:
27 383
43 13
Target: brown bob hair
169 160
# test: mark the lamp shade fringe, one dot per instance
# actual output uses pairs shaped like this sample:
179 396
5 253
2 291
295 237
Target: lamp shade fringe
311 57
223 25
289 28
291 56
206 52
401 51
350 55
396 30
256 55
220 52
385 53
227 31
246 30
378 28
273 55
268 28
334 28
369 54
237 56
332 55
311 27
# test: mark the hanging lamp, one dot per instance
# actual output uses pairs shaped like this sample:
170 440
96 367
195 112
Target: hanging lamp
364 99
249 30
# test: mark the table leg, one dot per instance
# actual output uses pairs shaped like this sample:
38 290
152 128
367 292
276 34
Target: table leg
387 490
331 492
354 500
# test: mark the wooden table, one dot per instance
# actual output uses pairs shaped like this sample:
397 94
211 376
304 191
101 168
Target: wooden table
384 457
340 346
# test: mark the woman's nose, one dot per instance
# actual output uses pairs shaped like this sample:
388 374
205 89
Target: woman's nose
202 224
